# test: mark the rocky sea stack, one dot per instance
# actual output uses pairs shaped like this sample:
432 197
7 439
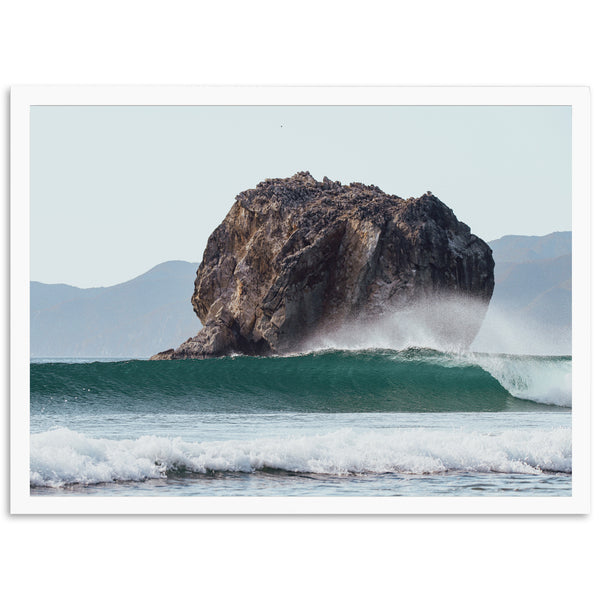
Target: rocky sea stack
295 257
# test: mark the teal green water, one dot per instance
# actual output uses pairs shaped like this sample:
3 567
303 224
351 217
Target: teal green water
336 381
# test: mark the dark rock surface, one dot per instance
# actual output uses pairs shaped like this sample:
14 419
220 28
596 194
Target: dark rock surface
296 256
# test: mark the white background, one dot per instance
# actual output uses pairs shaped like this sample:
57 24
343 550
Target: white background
415 43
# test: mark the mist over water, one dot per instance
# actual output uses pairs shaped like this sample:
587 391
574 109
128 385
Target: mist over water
448 324
503 332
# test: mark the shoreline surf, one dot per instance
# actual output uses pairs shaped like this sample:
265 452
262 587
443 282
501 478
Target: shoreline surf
327 422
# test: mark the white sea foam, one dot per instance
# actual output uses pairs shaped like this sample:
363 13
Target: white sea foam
60 457
543 380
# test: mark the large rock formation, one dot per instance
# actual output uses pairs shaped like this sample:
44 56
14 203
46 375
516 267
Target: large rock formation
295 257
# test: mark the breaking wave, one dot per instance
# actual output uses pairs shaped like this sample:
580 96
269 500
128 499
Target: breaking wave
328 381
546 380
63 457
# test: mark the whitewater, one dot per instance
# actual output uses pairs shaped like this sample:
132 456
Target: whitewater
376 422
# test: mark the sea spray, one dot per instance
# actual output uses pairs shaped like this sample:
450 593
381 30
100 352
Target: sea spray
432 324
505 332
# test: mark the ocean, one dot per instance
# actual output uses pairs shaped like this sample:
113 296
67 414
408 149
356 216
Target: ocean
413 422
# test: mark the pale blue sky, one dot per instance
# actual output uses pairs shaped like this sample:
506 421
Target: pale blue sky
116 190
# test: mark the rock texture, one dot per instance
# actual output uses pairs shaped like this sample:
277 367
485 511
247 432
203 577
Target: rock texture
296 256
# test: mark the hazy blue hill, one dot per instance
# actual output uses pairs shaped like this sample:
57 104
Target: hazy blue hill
553 306
532 296
44 296
135 318
521 248
519 284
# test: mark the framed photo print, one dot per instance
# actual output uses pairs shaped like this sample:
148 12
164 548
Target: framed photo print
300 300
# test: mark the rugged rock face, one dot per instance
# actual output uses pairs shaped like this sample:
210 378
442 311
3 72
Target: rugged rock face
296 256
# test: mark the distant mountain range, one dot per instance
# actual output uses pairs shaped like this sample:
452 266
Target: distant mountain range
530 311
131 319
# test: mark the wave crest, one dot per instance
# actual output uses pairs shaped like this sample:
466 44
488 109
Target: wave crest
540 379
412 380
